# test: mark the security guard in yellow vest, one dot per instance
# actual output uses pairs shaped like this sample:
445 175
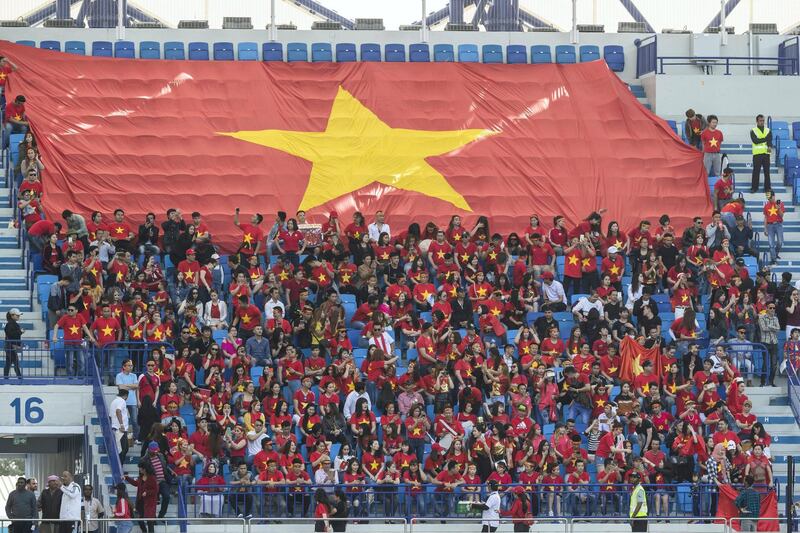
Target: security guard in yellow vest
761 137
638 506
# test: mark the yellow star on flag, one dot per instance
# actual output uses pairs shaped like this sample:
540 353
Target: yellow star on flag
453 291
74 329
107 331
573 259
192 329
2 75
351 387
357 149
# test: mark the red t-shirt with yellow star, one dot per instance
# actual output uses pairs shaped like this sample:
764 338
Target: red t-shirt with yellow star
251 236
190 271
437 251
423 290
572 264
106 330
773 212
17 112
712 140
72 327
249 317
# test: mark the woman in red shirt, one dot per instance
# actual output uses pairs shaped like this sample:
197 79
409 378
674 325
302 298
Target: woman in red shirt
520 510
322 511
146 495
291 243
122 510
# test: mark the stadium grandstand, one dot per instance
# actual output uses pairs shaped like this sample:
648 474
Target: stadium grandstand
332 265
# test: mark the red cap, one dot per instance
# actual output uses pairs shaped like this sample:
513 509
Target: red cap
547 275
518 489
333 214
190 251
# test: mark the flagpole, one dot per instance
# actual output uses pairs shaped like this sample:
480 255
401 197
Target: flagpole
273 30
424 29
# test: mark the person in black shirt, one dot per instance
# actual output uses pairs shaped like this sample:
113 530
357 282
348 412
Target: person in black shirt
393 269
461 308
692 361
13 336
668 252
544 323
173 227
644 301
340 510
200 346
148 236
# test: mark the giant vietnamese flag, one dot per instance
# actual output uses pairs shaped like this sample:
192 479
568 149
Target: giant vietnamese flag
419 141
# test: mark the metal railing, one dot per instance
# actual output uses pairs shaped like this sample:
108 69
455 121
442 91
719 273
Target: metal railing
793 385
786 64
105 422
646 54
111 355
41 361
790 49
750 358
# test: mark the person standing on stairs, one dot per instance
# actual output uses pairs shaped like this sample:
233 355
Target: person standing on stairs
13 342
761 137
773 224
712 145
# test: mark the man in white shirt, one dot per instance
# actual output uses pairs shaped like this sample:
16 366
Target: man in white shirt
129 381
553 293
273 302
71 501
490 516
376 228
584 305
382 339
350 402
255 439
120 422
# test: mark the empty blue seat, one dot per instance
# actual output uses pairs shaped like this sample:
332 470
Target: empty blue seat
223 51
75 47
50 45
468 53
492 53
516 54
26 42
443 53
395 53
345 52
796 131
321 52
370 52
540 54
615 57
174 50
272 51
247 51
124 49
419 53
589 52
565 54
198 51
102 49
149 50
296 52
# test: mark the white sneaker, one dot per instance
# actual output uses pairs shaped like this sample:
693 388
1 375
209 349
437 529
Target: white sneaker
550 513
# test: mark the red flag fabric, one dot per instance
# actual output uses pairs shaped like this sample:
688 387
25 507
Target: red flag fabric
419 141
632 357
769 509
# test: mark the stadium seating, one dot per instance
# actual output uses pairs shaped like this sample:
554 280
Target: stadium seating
443 53
296 52
796 131
149 50
124 50
370 52
492 53
26 42
394 53
321 52
589 52
540 54
102 49
565 54
419 53
50 45
174 50
615 57
75 47
345 52
223 51
272 51
516 54
247 51
468 53
198 51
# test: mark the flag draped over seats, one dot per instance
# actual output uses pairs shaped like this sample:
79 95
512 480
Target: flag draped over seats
420 141
769 509
632 357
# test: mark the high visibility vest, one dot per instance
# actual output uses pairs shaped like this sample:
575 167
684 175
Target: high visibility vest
760 148
634 496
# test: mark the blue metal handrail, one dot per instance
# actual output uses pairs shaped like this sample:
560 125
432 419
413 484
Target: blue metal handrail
793 386
105 421
736 61
646 53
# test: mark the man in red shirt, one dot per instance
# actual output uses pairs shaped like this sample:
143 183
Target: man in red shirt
251 236
190 268
773 225
15 118
106 330
121 232
723 189
578 491
74 326
40 232
543 257
438 249
247 317
712 144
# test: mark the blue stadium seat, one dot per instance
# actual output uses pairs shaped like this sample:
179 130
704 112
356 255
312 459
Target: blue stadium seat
321 52
565 54
540 54
419 53
149 50
50 45
102 49
615 57
26 42
75 47
174 50
370 52
345 52
223 51
796 131
492 53
296 52
272 51
589 52
198 51
394 53
443 53
124 49
516 54
247 51
468 53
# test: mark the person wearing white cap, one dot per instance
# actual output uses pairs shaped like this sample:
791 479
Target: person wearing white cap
12 343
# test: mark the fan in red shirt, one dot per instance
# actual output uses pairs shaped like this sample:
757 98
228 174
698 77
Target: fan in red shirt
247 317
190 268
251 234
438 249
106 328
